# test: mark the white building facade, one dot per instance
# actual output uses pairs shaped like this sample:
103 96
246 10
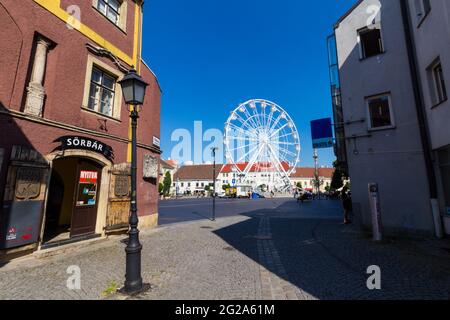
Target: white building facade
195 179
429 24
382 135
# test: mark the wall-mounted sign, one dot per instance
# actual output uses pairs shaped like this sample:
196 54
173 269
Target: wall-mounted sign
122 186
322 133
156 142
28 183
83 143
150 167
88 176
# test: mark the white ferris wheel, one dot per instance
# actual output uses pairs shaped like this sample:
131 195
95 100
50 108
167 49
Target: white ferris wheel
262 139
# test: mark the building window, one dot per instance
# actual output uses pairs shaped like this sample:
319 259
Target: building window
423 8
102 92
380 112
370 42
439 83
110 9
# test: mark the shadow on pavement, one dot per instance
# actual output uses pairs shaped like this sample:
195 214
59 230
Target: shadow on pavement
329 261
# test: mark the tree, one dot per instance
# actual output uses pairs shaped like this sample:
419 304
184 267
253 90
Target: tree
316 181
160 188
207 188
337 181
225 187
167 182
299 185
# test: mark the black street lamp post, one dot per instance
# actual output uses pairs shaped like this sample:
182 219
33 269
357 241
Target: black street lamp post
133 88
214 149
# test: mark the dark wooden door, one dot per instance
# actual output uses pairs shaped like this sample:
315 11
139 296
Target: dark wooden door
84 214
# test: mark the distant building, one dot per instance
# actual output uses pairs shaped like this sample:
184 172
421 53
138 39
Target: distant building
193 179
167 166
391 111
305 177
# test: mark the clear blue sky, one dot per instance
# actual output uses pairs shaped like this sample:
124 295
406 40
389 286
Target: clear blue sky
211 55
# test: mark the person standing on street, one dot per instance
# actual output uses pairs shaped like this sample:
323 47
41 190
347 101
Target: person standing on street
346 205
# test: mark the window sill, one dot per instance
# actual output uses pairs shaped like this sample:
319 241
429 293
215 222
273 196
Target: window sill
86 109
382 128
438 104
371 57
115 25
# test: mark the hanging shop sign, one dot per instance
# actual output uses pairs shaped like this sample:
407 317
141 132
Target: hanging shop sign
83 143
322 133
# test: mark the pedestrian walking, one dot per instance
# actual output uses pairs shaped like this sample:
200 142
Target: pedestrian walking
346 204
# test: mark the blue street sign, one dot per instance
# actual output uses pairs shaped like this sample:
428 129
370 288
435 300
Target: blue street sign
233 182
322 133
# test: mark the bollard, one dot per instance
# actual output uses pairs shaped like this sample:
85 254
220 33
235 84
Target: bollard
374 201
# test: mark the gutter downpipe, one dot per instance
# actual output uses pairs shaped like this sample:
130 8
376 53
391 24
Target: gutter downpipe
421 116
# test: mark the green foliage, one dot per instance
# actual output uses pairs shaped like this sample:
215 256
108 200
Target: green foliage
207 188
112 288
167 182
337 181
160 188
226 186
316 181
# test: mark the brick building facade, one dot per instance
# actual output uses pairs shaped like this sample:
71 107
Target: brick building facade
65 147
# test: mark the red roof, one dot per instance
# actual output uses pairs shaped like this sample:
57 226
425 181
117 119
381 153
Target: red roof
168 164
172 163
197 172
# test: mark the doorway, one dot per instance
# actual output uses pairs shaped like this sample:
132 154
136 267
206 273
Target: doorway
72 204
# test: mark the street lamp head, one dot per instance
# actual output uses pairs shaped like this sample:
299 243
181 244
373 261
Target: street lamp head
133 88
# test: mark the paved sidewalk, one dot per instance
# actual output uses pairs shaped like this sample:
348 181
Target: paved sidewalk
288 252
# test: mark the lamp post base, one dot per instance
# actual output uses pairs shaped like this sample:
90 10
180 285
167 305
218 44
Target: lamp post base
143 288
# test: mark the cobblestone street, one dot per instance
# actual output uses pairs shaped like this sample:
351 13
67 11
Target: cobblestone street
285 251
